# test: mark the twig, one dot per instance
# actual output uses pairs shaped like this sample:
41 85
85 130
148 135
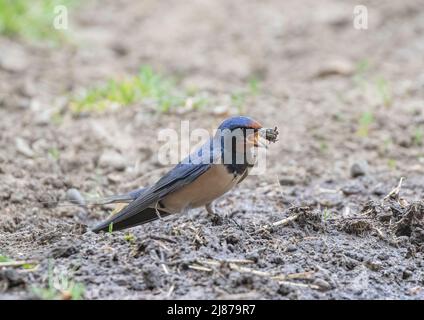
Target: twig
300 275
395 192
310 238
240 261
307 275
282 222
380 233
200 268
162 238
170 291
165 269
233 266
301 285
350 218
219 262
324 190
238 268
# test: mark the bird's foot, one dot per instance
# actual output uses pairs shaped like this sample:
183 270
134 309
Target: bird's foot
158 213
215 218
210 209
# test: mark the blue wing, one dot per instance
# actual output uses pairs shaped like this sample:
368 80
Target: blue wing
184 173
178 177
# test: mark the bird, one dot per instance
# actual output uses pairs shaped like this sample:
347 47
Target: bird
220 164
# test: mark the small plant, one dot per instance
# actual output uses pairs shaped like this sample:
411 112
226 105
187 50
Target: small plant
392 164
376 86
323 146
59 287
362 66
199 101
29 266
365 122
383 90
254 87
57 118
238 100
26 266
418 136
4 258
110 229
153 88
147 85
129 237
239 97
54 153
385 147
31 19
18 264
326 214
361 69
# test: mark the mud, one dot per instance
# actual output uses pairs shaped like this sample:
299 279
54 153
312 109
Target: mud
350 236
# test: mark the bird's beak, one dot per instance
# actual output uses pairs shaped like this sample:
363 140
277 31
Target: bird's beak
260 139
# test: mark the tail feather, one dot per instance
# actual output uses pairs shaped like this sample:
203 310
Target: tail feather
97 201
145 216
120 198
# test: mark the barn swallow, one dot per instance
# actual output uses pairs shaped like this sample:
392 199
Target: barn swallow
205 175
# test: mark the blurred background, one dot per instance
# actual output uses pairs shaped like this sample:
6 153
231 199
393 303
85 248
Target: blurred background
85 86
81 78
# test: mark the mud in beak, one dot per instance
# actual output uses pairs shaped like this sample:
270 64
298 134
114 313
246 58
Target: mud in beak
265 136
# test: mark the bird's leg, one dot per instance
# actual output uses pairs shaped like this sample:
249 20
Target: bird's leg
157 211
212 212
209 209
215 218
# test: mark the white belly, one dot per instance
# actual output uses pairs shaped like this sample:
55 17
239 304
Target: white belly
209 186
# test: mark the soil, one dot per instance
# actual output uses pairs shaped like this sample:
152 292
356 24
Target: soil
332 172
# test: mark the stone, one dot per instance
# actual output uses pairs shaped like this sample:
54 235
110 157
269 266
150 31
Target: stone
75 197
359 169
23 148
112 159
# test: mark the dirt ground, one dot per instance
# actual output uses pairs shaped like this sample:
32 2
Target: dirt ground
320 79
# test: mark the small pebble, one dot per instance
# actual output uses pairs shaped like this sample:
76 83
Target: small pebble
406 274
287 181
358 169
351 188
322 284
113 160
14 59
23 148
64 251
75 197
383 256
335 67
17 197
291 248
374 265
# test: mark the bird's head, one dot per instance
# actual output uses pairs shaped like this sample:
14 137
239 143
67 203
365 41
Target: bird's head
246 132
240 122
